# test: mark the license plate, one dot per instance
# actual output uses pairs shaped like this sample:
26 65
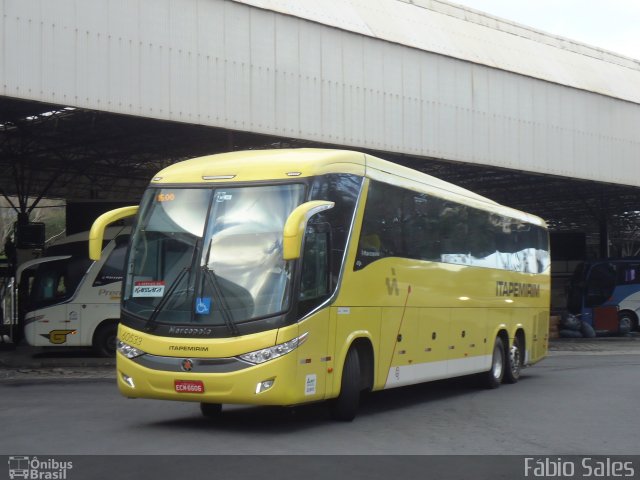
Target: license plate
189 386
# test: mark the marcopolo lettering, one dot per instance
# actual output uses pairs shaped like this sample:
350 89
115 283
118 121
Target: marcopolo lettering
189 331
517 289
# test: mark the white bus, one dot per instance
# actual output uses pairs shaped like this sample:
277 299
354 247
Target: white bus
67 300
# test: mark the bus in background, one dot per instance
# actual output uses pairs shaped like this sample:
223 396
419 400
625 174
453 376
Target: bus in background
285 277
67 300
606 294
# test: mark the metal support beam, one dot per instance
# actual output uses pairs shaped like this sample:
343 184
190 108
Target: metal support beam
604 239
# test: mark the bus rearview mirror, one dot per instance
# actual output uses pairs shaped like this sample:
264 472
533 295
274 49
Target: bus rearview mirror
96 234
296 224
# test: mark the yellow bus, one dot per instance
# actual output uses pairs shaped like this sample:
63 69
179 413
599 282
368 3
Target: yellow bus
284 277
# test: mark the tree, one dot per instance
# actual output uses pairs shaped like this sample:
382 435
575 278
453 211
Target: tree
49 211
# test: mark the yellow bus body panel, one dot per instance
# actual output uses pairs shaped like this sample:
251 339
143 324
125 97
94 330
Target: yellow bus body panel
422 313
299 376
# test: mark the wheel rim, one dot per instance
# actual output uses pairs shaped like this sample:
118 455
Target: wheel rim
625 324
497 363
514 360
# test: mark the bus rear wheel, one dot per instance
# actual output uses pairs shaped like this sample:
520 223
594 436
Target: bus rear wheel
626 322
514 362
492 378
345 406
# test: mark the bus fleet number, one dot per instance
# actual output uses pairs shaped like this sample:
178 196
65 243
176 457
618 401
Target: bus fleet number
131 338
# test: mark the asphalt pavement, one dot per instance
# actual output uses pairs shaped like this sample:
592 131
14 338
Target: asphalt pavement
24 362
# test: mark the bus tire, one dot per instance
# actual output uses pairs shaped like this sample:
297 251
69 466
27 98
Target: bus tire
626 322
493 377
345 406
211 410
514 362
105 339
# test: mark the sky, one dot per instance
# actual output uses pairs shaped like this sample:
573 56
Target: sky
609 24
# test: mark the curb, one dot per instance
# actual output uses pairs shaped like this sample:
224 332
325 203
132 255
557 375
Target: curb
25 357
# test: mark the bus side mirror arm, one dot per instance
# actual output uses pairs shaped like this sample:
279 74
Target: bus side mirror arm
296 224
96 234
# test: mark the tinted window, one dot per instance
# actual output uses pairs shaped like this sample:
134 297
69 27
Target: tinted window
343 190
326 238
628 274
57 281
409 224
113 267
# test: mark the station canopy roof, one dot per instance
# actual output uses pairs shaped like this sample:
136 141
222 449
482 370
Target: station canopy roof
56 151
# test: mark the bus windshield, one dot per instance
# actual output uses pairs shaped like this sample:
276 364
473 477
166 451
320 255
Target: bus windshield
210 256
54 281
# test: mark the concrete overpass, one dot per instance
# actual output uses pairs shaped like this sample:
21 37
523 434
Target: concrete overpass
97 95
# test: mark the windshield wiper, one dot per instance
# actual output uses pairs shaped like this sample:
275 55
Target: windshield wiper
151 323
211 276
224 308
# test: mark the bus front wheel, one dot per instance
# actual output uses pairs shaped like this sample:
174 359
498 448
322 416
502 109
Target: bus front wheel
105 339
494 376
345 406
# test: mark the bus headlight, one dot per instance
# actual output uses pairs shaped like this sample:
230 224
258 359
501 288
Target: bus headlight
129 351
266 354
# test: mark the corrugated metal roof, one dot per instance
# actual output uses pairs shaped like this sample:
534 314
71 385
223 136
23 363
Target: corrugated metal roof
464 33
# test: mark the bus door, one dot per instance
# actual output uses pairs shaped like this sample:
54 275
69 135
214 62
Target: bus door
598 290
25 279
314 290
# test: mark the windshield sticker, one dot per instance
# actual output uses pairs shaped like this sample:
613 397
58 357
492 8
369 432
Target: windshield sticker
148 289
203 305
223 197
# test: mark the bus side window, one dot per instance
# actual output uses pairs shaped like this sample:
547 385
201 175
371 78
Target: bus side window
628 274
314 277
382 225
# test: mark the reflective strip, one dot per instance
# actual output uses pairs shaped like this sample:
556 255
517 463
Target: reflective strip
426 372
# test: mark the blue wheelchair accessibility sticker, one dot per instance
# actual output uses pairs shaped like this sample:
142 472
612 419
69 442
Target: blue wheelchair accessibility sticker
203 305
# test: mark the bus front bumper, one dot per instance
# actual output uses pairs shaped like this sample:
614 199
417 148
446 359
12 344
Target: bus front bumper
194 380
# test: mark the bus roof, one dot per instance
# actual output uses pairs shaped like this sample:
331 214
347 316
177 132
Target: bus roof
277 164
37 261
